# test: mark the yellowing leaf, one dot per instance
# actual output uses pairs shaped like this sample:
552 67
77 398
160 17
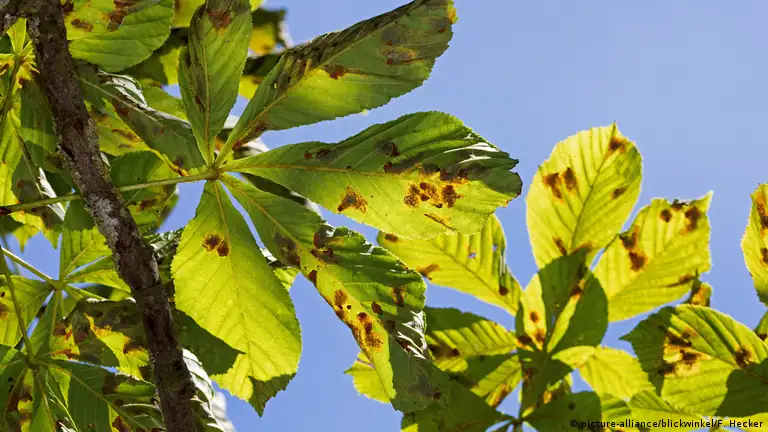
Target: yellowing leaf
616 372
343 73
224 283
474 264
703 361
419 176
368 288
755 242
30 296
658 259
581 196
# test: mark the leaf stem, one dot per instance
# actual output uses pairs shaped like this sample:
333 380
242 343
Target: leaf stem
18 260
17 308
208 175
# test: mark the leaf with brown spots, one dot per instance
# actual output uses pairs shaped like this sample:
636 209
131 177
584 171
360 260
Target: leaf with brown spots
30 295
694 349
754 244
234 282
97 29
307 85
655 261
582 408
474 264
583 193
210 67
422 192
382 306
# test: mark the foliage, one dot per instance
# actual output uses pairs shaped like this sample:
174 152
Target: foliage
75 339
429 184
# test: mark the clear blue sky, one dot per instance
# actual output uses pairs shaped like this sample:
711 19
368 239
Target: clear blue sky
685 80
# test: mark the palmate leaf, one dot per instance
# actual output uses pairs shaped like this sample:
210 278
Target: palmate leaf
755 242
474 264
209 67
224 283
658 259
343 73
419 176
703 361
368 288
116 35
581 196
615 372
169 137
563 315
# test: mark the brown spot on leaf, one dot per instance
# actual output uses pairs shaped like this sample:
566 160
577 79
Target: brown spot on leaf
363 331
307 155
398 295
503 291
219 18
376 308
388 167
560 245
665 215
744 356
223 248
389 148
764 254
3 311
412 198
524 341
682 280
534 316
425 271
82 25
629 239
212 241
120 425
552 181
391 238
617 143
637 260
336 71
339 300
322 153
450 196
132 345
352 199
618 192
569 178
692 216
313 277
288 250
540 336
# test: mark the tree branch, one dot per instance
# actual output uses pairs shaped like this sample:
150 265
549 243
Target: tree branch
135 261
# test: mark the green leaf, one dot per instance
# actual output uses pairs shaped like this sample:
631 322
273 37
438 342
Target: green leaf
755 242
454 336
100 272
563 314
30 296
37 129
463 412
116 35
145 204
581 196
184 9
649 407
409 177
369 289
81 241
224 283
207 420
587 409
703 361
762 327
366 379
343 73
615 372
112 399
210 66
104 333
658 259
474 264
162 67
167 136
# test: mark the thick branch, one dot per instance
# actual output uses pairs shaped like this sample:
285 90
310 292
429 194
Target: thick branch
135 260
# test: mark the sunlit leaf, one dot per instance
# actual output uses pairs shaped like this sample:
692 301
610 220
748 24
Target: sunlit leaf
29 295
649 407
418 176
367 287
658 259
474 264
184 9
703 361
581 196
137 168
224 283
755 242
615 372
343 73
116 35
81 241
366 379
210 66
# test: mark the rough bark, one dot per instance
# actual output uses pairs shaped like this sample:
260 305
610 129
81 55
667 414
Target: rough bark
135 261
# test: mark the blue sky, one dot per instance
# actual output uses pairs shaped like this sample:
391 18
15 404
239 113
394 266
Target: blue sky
684 80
